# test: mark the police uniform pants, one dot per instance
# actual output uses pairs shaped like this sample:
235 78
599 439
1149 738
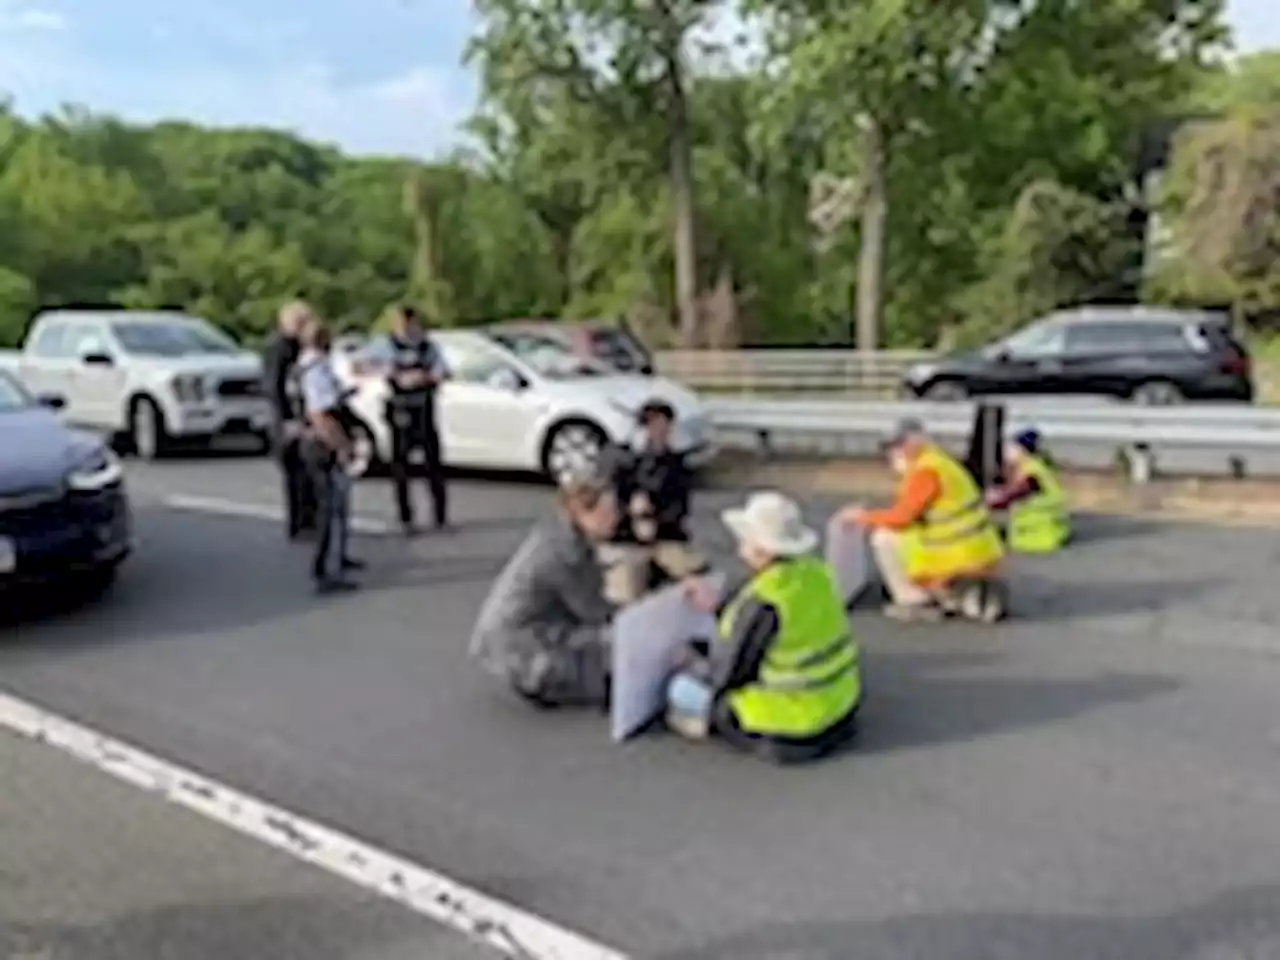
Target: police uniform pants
299 486
333 484
414 429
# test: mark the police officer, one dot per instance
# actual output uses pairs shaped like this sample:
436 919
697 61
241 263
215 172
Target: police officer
416 370
280 387
327 447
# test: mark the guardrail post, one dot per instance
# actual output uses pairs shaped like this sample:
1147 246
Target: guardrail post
762 440
1142 464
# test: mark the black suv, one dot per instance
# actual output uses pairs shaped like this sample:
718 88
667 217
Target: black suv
1147 355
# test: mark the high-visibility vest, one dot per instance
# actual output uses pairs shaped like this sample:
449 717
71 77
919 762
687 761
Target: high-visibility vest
809 678
1040 523
956 537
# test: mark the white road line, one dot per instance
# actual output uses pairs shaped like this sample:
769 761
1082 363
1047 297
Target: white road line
262 511
506 928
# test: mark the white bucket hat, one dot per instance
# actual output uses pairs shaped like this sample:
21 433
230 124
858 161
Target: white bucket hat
772 522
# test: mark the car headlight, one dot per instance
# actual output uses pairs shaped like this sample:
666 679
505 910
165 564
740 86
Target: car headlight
189 388
98 471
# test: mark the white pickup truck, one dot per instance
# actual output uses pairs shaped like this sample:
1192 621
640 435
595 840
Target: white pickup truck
150 378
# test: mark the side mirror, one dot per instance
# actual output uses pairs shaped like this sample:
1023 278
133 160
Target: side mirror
504 378
1002 355
97 360
52 401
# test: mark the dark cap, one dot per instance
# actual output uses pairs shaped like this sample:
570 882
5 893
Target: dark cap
655 408
904 430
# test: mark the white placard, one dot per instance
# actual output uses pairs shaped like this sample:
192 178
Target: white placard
846 551
646 636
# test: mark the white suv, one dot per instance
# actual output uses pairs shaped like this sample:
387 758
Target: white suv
153 377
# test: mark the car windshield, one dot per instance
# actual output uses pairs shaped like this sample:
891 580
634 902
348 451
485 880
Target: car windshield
547 356
172 338
12 396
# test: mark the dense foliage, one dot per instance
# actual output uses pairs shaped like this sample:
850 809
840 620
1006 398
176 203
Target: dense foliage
917 172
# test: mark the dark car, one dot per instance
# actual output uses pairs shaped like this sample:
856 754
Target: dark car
1147 355
64 511
597 340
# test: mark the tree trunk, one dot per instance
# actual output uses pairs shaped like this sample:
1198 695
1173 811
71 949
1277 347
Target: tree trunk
871 255
682 195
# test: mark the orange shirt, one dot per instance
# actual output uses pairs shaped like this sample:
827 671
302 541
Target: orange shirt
916 494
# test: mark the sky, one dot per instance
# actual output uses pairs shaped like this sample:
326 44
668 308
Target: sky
375 76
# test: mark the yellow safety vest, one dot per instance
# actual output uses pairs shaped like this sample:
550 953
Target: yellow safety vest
809 678
956 537
1040 523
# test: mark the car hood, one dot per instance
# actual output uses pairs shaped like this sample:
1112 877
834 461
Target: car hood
219 364
46 450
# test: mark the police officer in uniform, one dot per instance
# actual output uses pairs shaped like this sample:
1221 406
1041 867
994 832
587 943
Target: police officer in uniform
416 370
281 388
327 447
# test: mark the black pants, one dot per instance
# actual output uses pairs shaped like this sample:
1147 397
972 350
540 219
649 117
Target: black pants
333 489
299 486
414 428
783 750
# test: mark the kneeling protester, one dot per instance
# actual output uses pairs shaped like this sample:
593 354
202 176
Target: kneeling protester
545 626
781 677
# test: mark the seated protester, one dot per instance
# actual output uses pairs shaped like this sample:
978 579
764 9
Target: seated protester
937 531
781 677
1039 521
654 484
545 624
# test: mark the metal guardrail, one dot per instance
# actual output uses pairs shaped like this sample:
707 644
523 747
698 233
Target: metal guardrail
860 373
1192 439
790 371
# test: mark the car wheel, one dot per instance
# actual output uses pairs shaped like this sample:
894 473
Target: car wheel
147 434
572 449
98 580
364 452
945 391
1156 393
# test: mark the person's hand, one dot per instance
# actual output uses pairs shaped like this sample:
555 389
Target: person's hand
855 516
701 594
682 658
640 502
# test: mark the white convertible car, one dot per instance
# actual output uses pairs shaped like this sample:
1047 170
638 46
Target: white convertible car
520 402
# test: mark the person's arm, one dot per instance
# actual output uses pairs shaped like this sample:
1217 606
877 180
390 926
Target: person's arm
919 491
275 378
322 397
577 580
736 661
1006 495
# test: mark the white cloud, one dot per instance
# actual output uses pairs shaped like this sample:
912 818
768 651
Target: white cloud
30 18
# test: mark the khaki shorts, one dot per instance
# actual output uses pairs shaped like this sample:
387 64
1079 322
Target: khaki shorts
627 567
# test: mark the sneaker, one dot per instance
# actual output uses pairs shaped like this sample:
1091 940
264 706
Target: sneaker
351 564
331 586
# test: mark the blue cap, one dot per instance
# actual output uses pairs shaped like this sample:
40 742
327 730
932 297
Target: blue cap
1028 439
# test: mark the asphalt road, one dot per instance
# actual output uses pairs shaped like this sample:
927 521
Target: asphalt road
93 869
1098 779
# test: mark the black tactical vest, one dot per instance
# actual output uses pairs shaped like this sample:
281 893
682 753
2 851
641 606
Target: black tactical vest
412 355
